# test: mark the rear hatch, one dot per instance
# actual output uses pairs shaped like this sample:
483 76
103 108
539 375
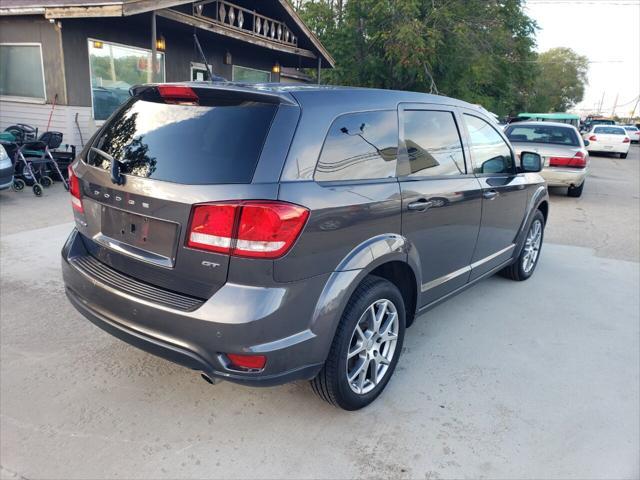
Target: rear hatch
167 149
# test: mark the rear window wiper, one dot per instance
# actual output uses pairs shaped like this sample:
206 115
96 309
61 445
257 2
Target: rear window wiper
116 177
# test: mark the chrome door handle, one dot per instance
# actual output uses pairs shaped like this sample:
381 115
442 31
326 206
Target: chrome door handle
490 194
420 205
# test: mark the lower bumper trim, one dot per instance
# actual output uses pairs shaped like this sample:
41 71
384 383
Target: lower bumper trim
183 356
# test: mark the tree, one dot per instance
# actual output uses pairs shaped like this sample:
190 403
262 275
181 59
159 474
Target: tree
560 81
477 50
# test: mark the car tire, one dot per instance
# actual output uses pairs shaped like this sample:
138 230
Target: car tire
520 269
576 191
358 338
623 155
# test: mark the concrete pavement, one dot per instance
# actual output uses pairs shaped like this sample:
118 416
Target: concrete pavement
538 379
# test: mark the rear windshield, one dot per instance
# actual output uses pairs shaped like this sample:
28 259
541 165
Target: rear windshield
610 130
189 144
543 134
631 129
602 122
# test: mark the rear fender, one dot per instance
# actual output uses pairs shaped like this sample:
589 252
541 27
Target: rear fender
359 263
538 196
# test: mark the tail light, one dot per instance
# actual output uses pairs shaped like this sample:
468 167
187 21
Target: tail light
74 190
579 160
593 138
258 229
626 140
178 94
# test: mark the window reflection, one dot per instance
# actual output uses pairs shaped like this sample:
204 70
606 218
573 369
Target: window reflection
433 143
360 146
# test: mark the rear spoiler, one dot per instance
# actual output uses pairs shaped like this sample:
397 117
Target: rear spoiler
253 93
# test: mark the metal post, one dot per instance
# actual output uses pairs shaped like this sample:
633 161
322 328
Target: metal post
319 66
154 61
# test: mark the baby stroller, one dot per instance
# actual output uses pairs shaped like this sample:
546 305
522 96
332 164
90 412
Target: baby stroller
34 163
38 164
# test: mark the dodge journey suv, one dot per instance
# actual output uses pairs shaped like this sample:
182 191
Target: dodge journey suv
265 234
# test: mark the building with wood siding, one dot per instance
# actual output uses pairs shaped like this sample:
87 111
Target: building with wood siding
70 63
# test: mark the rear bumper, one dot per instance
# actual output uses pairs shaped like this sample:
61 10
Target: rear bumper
617 148
564 177
274 322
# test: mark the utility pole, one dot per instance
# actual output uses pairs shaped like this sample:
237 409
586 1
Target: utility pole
601 102
615 104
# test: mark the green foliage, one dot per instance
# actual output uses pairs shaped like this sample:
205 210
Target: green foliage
481 51
560 82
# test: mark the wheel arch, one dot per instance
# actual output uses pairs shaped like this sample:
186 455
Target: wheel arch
390 256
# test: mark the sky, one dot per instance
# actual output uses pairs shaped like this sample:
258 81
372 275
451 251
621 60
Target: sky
605 31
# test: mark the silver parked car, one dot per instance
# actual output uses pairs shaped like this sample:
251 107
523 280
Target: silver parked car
564 153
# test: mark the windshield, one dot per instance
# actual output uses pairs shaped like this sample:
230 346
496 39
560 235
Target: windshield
631 129
610 130
190 144
543 134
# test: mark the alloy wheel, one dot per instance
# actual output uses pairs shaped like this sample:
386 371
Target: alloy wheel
532 246
372 346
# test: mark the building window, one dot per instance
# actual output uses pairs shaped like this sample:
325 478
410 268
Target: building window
21 71
250 75
114 70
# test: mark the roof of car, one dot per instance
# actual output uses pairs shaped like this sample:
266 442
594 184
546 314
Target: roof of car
354 98
551 116
543 124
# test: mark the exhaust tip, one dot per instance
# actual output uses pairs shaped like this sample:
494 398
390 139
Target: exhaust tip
208 379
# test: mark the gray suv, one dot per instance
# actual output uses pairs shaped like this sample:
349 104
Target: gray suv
263 234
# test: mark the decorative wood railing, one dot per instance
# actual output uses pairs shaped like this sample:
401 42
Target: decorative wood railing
245 20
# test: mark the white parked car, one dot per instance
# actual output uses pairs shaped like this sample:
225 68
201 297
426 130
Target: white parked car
608 138
633 132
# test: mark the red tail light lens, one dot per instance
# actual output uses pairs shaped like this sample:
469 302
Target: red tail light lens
593 138
247 362
626 140
212 227
74 190
579 160
178 94
259 229
268 229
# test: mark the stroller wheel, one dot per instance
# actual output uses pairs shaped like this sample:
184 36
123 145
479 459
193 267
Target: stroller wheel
37 189
46 181
18 184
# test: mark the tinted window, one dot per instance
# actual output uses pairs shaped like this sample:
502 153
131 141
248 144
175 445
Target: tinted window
191 144
490 152
543 134
433 143
610 130
631 129
360 146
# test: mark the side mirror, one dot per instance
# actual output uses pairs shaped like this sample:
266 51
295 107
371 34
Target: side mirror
586 142
530 162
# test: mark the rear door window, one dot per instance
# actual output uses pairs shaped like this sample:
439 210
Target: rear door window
208 143
360 146
432 143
